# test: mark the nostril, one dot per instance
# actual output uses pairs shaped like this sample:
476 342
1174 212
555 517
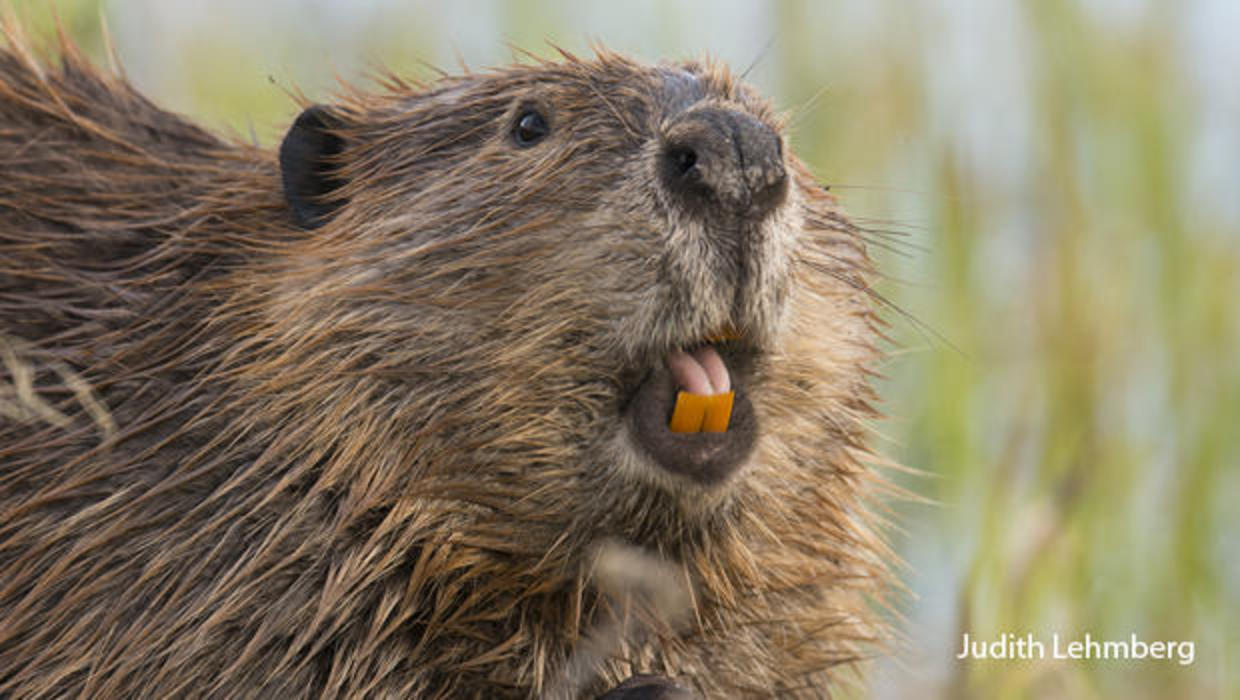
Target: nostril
682 159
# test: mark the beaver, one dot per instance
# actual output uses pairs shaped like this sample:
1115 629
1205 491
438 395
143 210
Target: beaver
384 412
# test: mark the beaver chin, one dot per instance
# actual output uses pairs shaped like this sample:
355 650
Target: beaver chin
703 458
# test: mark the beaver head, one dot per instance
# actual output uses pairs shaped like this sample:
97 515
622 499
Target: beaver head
564 243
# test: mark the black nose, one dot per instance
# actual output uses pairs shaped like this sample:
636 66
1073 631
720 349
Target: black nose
719 161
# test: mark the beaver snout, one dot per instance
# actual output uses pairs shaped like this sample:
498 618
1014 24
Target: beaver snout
722 161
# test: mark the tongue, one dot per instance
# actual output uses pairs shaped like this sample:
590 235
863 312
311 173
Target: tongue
702 372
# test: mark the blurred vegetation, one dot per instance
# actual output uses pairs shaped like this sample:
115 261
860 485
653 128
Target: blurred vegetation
1069 387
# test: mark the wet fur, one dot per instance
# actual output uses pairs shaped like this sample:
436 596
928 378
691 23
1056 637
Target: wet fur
241 458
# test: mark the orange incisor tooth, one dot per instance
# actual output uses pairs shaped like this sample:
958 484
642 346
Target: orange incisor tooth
728 333
695 413
718 413
689 412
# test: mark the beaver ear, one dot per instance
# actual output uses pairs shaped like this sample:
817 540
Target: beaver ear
310 166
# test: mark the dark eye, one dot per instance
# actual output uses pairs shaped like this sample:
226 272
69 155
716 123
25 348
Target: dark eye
530 128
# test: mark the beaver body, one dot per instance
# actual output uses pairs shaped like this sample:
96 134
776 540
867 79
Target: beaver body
373 415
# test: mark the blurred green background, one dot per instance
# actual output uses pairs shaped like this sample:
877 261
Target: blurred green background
1054 192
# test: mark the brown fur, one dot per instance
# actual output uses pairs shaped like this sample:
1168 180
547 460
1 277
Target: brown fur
382 457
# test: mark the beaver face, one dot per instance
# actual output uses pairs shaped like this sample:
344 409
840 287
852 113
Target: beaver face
625 215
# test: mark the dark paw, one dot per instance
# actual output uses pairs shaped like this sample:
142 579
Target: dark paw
649 687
